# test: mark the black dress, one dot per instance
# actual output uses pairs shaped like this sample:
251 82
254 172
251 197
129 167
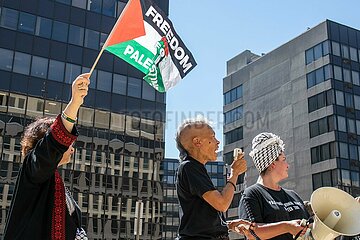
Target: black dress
30 215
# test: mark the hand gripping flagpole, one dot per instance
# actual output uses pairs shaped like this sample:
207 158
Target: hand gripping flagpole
109 37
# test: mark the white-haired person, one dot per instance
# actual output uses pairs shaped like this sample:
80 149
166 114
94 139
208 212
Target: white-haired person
201 203
276 211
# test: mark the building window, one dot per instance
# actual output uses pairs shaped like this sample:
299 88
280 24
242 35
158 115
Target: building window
56 70
39 67
234 135
323 179
72 71
322 152
339 96
314 53
43 27
76 35
320 100
321 126
233 115
318 76
233 94
335 48
60 31
26 23
105 79
109 8
9 18
22 63
119 84
134 87
6 59
92 39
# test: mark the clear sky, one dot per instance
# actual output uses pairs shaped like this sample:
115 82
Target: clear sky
217 30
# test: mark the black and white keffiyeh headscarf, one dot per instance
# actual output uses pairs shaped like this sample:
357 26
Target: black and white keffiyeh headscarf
266 148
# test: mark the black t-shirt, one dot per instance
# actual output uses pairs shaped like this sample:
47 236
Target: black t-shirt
199 220
263 205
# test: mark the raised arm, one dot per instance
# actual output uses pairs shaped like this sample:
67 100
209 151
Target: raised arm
222 200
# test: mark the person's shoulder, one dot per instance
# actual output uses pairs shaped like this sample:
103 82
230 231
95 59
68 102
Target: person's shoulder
253 189
291 192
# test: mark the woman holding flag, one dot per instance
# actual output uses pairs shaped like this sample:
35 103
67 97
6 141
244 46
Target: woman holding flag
42 208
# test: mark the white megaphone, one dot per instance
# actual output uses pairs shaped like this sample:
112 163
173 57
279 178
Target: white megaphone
336 213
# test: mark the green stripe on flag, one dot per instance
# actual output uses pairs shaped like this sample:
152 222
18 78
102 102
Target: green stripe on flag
133 53
141 58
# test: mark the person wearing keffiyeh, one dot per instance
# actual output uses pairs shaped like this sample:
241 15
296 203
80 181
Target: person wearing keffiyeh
276 211
41 207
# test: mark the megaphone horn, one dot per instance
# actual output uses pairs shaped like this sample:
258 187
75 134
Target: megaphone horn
336 213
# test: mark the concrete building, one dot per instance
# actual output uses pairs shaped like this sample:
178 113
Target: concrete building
307 91
44 45
171 207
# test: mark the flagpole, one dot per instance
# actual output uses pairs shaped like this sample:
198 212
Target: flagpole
109 37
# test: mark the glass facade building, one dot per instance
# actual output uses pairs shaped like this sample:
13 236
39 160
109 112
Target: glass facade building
307 91
44 45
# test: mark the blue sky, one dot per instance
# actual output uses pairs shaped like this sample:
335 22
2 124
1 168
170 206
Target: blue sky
216 31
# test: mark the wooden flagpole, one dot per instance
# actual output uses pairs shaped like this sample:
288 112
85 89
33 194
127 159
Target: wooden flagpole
109 37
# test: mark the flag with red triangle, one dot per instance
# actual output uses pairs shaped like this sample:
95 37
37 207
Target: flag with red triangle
144 37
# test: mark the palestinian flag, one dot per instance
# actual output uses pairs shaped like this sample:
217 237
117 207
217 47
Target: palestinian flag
144 37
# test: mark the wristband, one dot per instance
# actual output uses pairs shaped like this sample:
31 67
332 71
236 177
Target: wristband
232 184
67 118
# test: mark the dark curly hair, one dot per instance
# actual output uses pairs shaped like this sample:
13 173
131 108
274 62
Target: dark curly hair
34 132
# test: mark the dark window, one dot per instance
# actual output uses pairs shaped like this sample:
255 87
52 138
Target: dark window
338 73
319 75
317 51
9 18
326 48
104 81
76 35
95 6
56 70
148 92
347 75
72 71
39 67
353 54
345 51
317 182
22 63
79 3
335 48
327 72
119 84
6 59
92 39
355 77
109 8
60 31
43 27
26 23
309 55
311 80
234 135
134 87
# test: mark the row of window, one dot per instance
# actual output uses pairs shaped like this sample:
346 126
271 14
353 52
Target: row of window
316 52
338 49
323 152
328 151
45 68
320 100
338 73
15 104
345 99
233 94
336 177
55 30
321 126
234 135
110 8
318 76
233 115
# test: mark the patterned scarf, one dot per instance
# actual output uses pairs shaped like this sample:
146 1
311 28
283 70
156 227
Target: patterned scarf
266 148
58 214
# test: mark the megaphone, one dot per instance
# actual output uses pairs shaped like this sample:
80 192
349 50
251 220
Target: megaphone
336 213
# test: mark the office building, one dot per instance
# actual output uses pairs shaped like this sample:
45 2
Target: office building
307 91
44 45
